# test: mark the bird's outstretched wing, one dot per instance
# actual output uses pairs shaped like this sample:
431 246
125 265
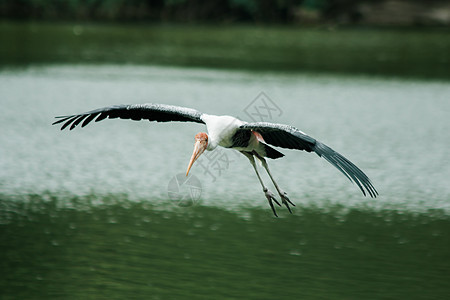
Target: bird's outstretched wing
290 137
137 112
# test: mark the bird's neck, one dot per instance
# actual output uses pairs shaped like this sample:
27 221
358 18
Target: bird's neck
220 129
212 144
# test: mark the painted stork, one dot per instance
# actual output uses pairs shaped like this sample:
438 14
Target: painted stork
251 139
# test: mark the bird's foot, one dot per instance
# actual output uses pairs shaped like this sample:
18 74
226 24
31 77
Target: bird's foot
285 200
271 198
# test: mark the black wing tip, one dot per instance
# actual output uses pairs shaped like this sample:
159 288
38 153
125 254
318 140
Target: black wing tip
350 170
373 191
61 119
73 120
369 190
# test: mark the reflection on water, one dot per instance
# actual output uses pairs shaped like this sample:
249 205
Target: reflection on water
87 214
125 249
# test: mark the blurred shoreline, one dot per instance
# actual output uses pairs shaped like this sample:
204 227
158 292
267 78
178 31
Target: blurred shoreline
302 12
394 51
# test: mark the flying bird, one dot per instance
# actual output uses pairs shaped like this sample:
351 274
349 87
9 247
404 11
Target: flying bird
254 140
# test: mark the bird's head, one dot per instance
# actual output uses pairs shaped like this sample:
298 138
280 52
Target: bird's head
201 142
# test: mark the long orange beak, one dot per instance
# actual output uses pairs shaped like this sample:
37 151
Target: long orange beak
199 148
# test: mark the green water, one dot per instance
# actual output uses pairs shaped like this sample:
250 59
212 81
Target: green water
130 250
394 52
86 214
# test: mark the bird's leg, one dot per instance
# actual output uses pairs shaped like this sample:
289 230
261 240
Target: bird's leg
283 195
269 195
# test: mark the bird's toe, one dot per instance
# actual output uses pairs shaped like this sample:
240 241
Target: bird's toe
285 200
271 198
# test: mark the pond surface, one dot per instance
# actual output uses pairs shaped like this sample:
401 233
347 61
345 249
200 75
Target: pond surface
413 53
87 213
396 131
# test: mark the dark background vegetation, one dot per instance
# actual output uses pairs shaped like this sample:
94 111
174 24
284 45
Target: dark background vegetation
397 12
378 37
